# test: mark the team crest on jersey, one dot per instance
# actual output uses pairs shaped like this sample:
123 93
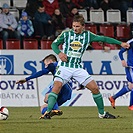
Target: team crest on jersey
75 45
72 37
81 37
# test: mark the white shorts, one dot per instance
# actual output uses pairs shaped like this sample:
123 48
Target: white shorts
64 74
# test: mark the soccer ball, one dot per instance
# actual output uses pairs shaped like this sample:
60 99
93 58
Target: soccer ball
4 113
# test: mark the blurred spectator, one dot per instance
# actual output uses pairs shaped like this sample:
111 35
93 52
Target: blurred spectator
99 2
65 7
69 18
104 46
105 5
122 5
8 25
50 6
25 26
80 4
115 4
86 4
32 6
93 4
58 22
43 24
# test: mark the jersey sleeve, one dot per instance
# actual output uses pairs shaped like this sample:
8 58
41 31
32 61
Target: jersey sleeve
97 38
122 50
52 68
130 42
58 41
131 45
38 74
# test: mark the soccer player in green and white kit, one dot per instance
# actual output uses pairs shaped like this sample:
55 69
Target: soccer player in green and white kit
75 41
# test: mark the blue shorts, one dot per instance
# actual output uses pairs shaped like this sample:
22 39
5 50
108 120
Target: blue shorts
64 94
129 74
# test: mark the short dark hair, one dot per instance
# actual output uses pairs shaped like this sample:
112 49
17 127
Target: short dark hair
52 57
79 18
40 6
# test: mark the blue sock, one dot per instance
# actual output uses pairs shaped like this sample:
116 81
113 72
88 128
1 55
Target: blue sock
123 91
131 98
44 110
56 107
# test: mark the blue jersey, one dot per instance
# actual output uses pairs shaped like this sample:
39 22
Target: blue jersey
129 69
64 94
66 91
129 53
51 68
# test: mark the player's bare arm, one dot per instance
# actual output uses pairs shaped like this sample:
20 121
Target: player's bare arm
63 57
21 81
125 45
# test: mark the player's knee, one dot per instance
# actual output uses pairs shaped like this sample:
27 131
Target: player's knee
58 84
92 86
95 90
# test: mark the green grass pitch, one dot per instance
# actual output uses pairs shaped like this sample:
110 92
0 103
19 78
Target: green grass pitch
73 120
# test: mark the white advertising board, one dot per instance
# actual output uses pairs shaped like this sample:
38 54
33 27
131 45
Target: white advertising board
108 86
32 93
29 61
12 94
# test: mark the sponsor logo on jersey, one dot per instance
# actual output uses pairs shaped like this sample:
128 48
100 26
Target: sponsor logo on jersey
75 45
74 54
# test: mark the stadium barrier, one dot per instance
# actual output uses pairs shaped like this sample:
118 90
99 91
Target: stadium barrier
30 61
32 93
105 67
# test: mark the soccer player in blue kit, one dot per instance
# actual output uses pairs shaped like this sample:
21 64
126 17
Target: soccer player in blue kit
50 62
129 75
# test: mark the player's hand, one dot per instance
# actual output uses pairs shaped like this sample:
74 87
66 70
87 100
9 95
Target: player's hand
124 63
125 45
63 57
21 81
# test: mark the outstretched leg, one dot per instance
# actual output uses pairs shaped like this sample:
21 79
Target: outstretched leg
123 91
98 100
131 101
52 99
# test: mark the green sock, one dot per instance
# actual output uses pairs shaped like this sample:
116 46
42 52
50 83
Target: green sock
52 98
99 102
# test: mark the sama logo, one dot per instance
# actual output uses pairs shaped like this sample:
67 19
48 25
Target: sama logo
6 64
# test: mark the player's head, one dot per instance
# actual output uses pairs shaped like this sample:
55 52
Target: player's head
49 59
78 24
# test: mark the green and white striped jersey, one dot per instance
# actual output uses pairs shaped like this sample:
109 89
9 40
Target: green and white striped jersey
74 46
